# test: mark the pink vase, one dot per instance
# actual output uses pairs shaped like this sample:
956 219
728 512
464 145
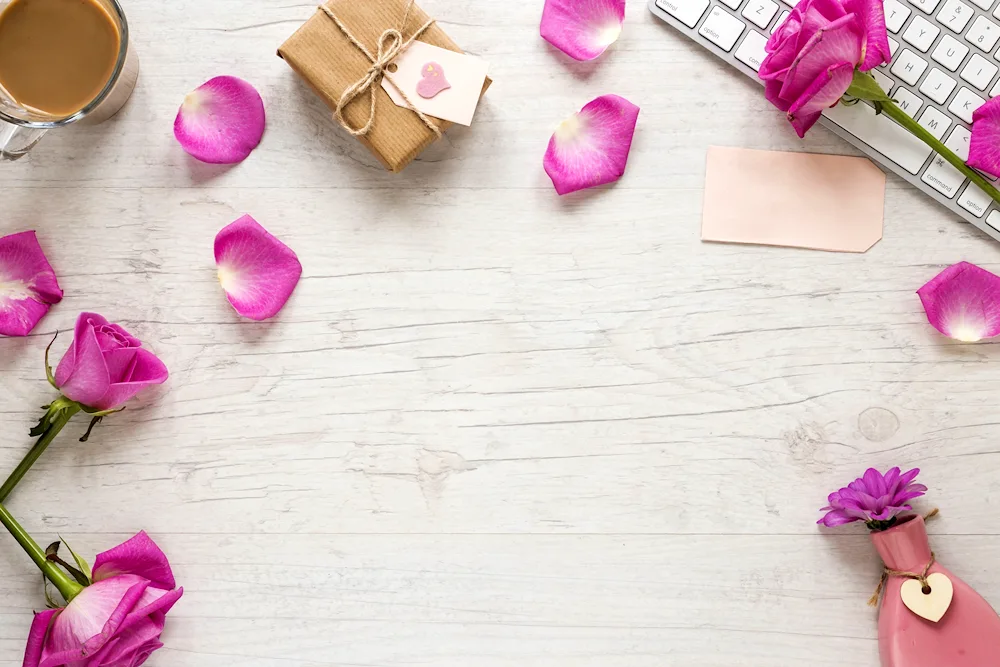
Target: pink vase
967 636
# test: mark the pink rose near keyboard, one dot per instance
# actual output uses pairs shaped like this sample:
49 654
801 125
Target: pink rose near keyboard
944 66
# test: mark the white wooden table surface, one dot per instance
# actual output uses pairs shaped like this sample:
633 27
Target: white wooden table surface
492 426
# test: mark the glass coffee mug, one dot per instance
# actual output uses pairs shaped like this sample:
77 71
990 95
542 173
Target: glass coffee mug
21 124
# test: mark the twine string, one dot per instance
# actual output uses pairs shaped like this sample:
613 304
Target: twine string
919 576
390 45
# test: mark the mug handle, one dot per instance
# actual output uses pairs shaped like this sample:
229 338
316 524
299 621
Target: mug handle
16 141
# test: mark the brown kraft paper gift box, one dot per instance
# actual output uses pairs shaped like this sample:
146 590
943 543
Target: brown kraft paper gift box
324 56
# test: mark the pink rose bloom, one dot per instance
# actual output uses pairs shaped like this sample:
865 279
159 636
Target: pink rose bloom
114 622
106 366
812 56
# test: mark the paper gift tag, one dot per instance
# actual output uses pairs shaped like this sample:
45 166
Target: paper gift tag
438 82
932 605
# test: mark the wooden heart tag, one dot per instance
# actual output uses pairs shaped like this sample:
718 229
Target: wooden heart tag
933 604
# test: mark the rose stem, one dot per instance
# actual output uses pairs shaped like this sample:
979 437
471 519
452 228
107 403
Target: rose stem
62 581
891 110
65 410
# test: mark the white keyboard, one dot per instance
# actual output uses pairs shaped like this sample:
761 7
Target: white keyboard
945 63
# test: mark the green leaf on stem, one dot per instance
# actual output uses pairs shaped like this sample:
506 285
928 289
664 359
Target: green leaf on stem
81 563
40 428
865 87
49 601
52 555
48 368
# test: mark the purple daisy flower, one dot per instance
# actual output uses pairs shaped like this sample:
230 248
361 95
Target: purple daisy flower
876 499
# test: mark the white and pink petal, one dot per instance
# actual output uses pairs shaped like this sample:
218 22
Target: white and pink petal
963 302
591 147
28 285
582 29
257 271
221 121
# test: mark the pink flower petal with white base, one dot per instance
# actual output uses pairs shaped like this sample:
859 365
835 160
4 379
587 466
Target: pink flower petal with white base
963 302
28 285
582 29
257 271
984 145
221 122
591 147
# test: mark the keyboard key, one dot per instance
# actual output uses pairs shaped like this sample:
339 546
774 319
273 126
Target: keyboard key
721 29
896 14
979 71
926 6
687 12
950 52
760 12
943 177
907 101
958 141
955 15
908 66
937 85
893 47
732 4
921 33
983 34
781 19
993 220
974 200
751 51
983 4
882 134
995 90
935 122
884 82
965 103
790 3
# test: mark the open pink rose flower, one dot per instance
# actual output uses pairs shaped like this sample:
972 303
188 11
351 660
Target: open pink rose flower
582 29
812 56
984 145
257 271
221 122
28 285
114 622
591 147
106 365
963 302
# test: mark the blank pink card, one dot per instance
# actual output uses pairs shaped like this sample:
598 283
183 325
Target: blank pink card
824 202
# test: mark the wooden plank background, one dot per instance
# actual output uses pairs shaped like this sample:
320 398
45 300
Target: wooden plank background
493 426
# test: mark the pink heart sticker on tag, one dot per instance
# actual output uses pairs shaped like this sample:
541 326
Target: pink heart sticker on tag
432 81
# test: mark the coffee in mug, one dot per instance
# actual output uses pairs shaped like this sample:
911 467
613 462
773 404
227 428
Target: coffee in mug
56 56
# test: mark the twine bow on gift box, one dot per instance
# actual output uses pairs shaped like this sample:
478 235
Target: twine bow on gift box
390 45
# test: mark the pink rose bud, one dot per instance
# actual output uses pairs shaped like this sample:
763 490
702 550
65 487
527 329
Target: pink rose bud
106 366
117 620
812 56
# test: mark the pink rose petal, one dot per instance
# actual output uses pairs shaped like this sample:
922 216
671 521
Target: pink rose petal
582 29
963 302
591 147
984 146
139 556
221 122
28 285
258 271
36 637
824 92
872 16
